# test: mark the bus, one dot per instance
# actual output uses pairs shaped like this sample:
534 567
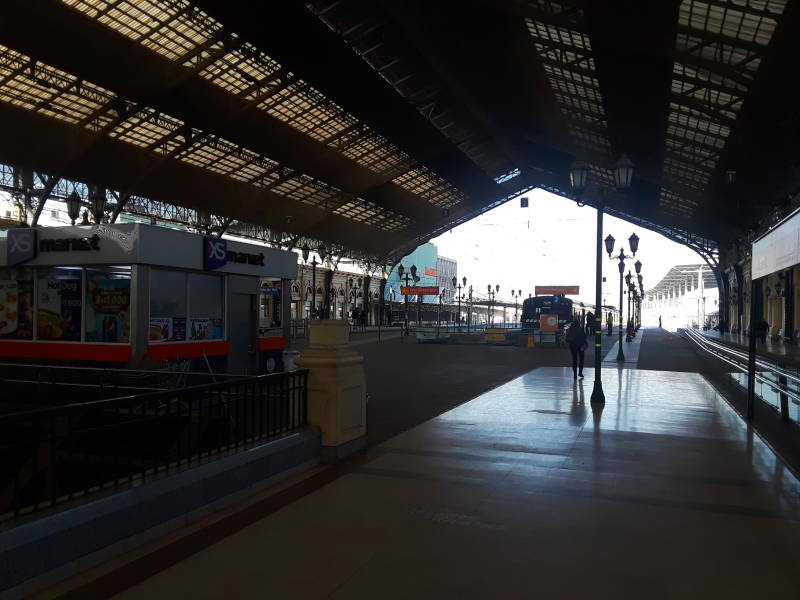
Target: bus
532 308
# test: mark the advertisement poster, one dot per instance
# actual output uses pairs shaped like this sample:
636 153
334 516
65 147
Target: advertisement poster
107 310
205 329
167 329
160 330
59 312
16 309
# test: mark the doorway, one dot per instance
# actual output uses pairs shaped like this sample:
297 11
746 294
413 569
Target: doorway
243 334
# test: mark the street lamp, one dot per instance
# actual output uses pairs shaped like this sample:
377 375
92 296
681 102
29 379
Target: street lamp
492 296
628 324
306 251
401 272
516 295
633 241
458 286
469 310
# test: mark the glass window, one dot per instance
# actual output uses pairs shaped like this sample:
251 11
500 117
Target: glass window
167 306
16 304
59 308
108 299
205 307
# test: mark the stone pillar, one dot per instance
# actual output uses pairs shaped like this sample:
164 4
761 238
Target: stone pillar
337 389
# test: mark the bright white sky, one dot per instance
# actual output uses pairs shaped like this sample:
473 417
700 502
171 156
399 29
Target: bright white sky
552 242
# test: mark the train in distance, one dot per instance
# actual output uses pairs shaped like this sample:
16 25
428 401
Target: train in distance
533 308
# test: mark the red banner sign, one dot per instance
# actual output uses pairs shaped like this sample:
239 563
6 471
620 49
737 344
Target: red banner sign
557 290
419 290
430 271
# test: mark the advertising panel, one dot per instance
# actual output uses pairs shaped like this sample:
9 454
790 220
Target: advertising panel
16 306
205 329
167 329
59 308
779 249
108 310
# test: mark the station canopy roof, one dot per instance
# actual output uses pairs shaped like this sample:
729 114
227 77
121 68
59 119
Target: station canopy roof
376 125
682 278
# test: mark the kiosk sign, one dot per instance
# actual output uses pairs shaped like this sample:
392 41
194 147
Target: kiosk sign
215 253
21 245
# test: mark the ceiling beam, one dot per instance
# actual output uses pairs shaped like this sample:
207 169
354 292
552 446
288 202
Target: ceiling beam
136 73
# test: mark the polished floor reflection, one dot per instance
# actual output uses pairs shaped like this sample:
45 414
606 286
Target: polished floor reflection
529 491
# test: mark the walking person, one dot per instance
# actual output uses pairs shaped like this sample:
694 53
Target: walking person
589 323
576 338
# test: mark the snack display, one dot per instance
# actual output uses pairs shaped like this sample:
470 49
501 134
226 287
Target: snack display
8 307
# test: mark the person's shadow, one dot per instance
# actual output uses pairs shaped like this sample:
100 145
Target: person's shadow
577 412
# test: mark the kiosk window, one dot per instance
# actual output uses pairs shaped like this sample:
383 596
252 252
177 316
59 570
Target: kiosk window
108 298
167 306
59 306
205 307
16 304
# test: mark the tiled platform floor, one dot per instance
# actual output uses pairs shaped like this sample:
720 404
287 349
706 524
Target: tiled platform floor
527 492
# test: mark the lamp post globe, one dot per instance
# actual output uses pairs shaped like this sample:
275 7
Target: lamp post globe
609 244
305 250
400 270
638 266
633 242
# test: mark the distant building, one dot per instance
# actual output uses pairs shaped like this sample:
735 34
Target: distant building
432 270
446 269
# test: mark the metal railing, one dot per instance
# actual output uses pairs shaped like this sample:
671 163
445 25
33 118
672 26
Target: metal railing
784 382
55 455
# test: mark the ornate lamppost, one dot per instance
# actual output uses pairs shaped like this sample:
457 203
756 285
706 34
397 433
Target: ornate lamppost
458 286
633 241
401 272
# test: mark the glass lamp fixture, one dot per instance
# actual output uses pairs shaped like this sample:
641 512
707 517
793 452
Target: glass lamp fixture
633 242
609 244
578 176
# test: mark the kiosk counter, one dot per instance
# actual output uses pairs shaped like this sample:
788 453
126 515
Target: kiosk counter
130 292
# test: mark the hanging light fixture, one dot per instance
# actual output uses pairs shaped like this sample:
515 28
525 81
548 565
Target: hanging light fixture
73 206
305 252
638 266
623 172
578 176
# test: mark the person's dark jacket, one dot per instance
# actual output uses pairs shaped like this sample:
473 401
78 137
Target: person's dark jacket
576 336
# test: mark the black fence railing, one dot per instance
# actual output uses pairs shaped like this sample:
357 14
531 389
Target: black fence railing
57 454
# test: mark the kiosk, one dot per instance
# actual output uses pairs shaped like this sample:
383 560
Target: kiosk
131 294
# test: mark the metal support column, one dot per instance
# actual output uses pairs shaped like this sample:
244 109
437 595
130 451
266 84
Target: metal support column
598 397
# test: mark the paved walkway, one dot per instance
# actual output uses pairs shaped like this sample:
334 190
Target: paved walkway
527 491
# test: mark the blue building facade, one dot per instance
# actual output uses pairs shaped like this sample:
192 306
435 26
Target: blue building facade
425 258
